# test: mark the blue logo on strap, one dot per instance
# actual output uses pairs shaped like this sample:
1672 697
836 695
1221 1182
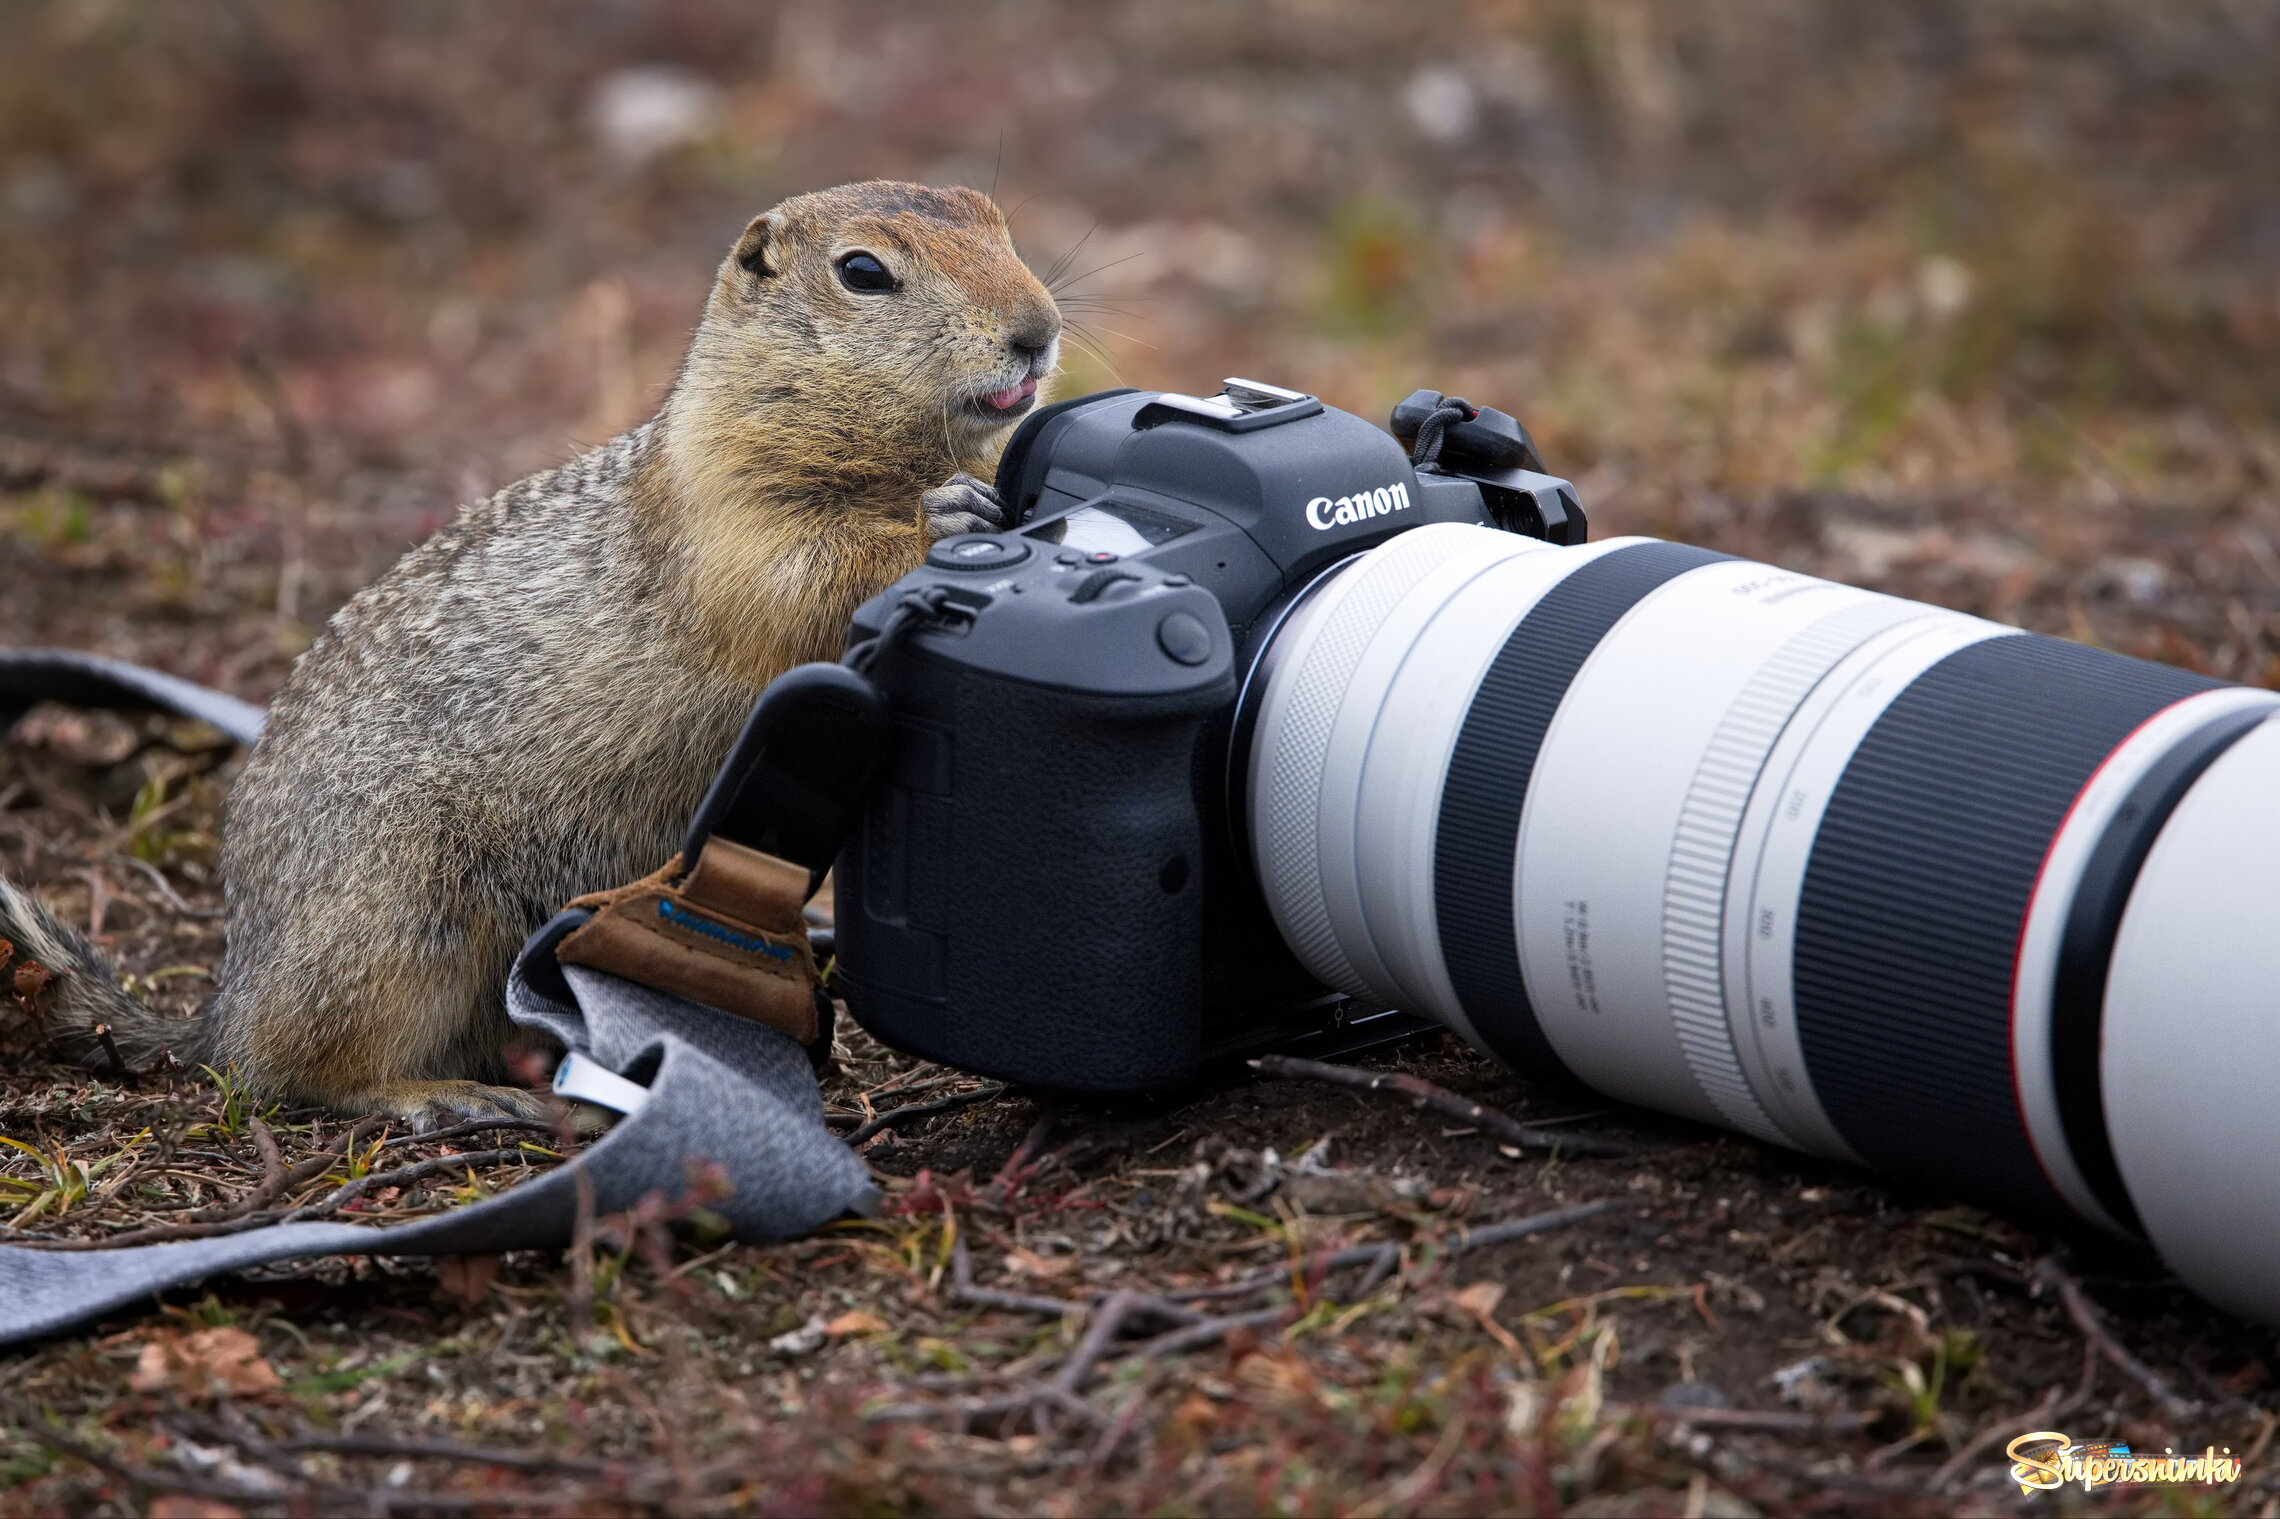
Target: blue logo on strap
681 917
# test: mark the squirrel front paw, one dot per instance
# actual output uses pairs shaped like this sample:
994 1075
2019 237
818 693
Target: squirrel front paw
963 504
431 1105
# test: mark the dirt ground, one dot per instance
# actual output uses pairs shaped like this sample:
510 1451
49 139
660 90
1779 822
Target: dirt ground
1972 304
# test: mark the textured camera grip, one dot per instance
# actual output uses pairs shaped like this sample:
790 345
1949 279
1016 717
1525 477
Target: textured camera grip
1023 896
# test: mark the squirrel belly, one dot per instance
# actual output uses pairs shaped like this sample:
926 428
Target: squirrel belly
529 705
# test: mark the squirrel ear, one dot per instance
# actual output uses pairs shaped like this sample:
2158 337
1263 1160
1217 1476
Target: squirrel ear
760 235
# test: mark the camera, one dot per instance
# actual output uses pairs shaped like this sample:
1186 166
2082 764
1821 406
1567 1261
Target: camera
1258 723
1049 881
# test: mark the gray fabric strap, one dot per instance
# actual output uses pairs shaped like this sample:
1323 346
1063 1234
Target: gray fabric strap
90 680
723 1091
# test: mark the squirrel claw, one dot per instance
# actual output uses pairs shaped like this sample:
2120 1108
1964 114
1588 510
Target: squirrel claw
963 504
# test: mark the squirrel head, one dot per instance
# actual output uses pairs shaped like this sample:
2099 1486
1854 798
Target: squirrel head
860 345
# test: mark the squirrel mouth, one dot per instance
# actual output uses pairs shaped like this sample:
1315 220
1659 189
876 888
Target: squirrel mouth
1004 403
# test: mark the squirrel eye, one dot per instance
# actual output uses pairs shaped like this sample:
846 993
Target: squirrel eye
863 271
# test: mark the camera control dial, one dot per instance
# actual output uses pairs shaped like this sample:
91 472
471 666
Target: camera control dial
976 552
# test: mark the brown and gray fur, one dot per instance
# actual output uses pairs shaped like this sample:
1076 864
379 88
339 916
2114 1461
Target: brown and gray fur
529 705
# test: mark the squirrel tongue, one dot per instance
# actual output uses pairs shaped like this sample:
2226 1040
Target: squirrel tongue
1012 395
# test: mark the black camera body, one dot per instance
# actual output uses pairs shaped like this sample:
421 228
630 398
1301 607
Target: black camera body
1048 881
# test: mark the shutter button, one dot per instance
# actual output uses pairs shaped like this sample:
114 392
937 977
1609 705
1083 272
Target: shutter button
1183 636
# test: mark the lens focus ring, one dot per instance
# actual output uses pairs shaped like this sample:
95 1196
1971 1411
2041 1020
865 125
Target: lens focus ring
1702 848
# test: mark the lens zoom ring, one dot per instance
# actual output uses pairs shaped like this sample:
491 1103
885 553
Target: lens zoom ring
1478 832
1918 885
1291 854
1702 848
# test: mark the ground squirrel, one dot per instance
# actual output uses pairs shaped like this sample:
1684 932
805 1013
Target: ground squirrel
528 706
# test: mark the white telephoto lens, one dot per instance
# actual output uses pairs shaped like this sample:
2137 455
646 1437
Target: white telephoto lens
1845 872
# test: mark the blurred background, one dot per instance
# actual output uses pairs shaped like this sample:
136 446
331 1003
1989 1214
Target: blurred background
1976 302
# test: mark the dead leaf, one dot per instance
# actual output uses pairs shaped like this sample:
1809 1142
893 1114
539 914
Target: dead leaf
1282 1376
855 1321
1480 1297
1478 1302
1030 1263
155 1367
466 1278
205 1364
32 978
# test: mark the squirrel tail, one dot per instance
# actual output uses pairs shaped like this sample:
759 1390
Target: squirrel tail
70 993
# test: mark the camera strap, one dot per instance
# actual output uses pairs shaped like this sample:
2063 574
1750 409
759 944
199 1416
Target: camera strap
29 676
686 1000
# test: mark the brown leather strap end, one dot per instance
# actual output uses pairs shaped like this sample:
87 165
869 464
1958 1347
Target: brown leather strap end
730 935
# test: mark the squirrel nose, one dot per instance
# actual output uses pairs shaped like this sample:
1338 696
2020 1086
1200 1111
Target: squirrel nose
1030 340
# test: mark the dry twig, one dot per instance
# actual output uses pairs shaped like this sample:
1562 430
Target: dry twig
1520 1228
1107 1319
1110 1315
1315 1268
1209 1331
1383 1257
1502 1126
1779 1421
440 1450
963 1290
167 891
896 1117
462 1130
143 1478
273 1176
341 1196
2087 1318
1112 1312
